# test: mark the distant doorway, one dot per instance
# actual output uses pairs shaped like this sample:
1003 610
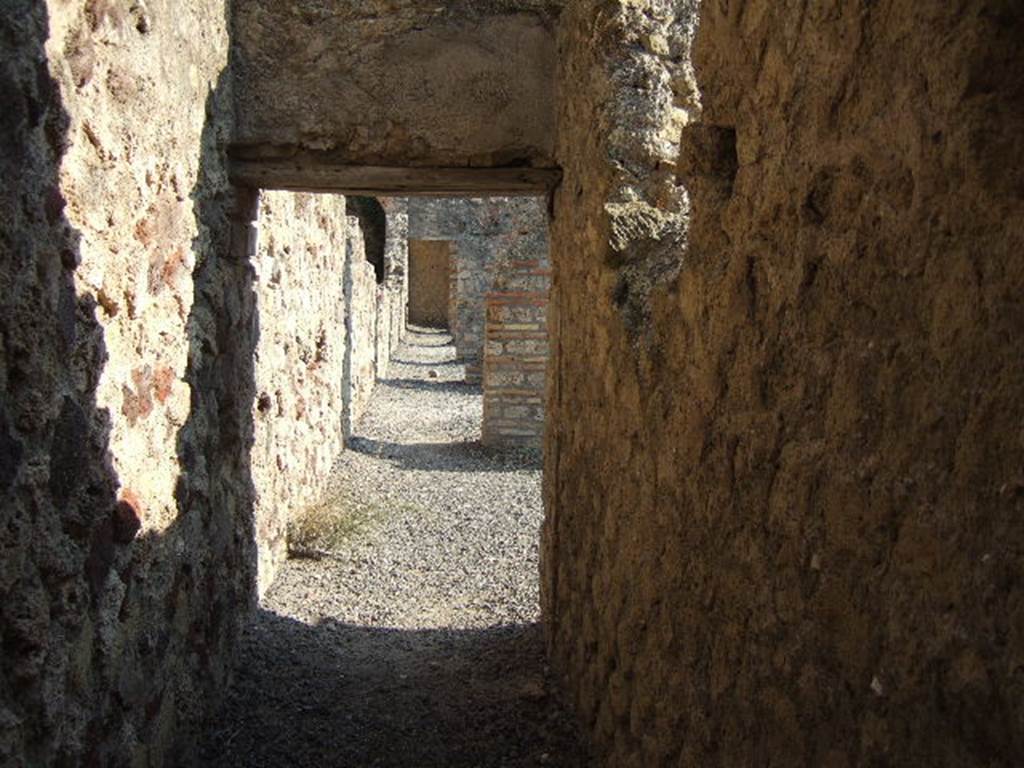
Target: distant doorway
429 283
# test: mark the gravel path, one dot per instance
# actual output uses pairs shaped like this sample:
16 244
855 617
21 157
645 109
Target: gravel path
416 643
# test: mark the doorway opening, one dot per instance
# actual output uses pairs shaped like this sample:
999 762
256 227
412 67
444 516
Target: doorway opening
430 283
404 627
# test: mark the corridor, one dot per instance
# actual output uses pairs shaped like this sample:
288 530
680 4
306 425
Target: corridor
405 633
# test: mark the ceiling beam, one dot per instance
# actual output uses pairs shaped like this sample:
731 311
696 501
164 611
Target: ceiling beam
297 175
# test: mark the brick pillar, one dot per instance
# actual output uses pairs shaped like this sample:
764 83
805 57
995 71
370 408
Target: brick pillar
515 356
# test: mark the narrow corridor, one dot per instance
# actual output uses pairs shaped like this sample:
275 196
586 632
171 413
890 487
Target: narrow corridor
412 639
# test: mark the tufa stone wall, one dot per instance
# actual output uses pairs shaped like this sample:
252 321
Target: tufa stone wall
300 361
360 284
783 462
393 294
375 311
144 478
453 298
126 338
427 58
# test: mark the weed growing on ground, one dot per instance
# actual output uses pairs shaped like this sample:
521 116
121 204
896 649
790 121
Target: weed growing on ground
322 529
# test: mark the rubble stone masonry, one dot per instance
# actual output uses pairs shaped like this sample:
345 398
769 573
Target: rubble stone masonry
127 340
361 302
393 294
784 490
300 359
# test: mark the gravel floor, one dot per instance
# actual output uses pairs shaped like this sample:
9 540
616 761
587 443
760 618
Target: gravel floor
416 643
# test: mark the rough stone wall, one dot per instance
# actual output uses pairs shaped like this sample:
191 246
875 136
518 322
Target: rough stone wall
300 360
126 341
482 231
393 297
382 340
429 282
453 297
440 84
361 304
516 346
783 470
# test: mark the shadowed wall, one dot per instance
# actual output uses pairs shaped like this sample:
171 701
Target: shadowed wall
783 480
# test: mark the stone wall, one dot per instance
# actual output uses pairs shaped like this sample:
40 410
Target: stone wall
126 379
361 303
482 231
453 298
300 361
467 83
514 369
393 296
783 465
375 312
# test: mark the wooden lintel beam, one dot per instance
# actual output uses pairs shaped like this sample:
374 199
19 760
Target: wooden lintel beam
384 181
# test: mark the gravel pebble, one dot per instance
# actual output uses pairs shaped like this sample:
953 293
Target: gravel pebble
416 643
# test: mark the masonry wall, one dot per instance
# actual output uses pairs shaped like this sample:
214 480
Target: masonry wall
470 280
393 296
516 346
481 231
783 465
126 379
300 361
453 298
468 84
361 302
